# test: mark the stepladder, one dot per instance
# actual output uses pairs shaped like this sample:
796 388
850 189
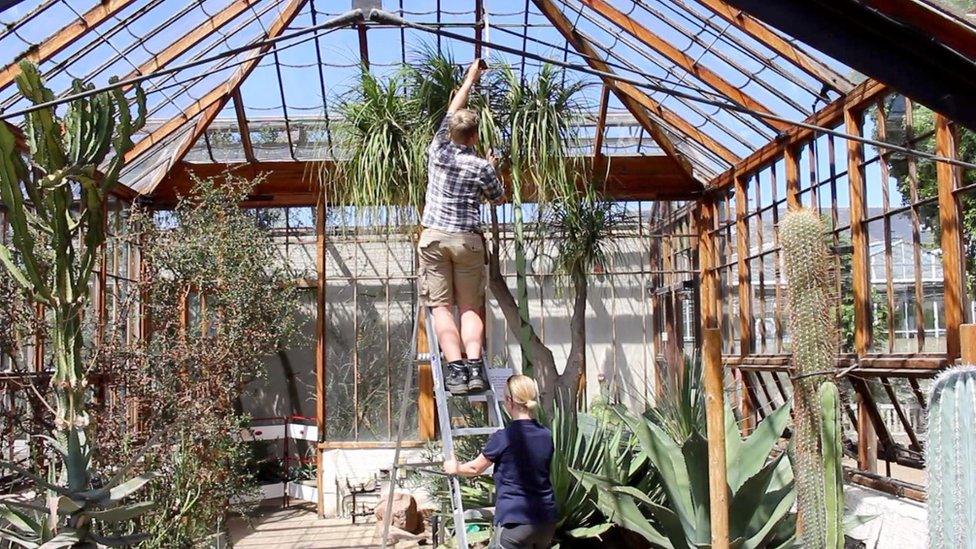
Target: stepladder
452 424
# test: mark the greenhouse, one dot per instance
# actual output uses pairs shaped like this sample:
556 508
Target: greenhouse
488 273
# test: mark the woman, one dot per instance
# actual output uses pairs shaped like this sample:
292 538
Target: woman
525 507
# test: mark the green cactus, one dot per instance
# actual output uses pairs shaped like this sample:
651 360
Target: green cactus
949 457
817 446
55 198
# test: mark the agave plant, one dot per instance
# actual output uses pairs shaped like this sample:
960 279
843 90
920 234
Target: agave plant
58 229
761 488
679 408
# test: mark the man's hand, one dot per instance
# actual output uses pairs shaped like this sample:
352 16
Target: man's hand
492 159
460 99
476 69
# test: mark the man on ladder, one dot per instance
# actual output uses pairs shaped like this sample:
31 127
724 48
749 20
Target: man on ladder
452 247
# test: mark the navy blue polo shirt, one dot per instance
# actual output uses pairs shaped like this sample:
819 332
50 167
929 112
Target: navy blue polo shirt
522 453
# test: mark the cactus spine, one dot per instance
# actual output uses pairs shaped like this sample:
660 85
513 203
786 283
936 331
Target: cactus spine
949 456
817 450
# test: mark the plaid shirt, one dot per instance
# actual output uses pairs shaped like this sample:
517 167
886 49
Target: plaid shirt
457 180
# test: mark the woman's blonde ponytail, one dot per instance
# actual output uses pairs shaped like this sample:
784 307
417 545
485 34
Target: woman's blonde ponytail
524 391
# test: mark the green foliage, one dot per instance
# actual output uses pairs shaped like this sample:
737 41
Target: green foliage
948 458
817 450
384 139
761 489
55 199
679 409
214 263
924 174
536 119
582 442
581 229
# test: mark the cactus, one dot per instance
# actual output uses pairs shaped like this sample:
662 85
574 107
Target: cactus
817 448
55 200
949 457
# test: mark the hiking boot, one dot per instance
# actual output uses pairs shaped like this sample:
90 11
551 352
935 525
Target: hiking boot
477 376
456 379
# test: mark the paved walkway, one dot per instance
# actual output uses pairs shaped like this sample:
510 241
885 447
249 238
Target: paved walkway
298 527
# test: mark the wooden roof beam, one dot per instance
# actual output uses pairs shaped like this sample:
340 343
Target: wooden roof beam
242 126
831 115
64 37
295 183
601 123
756 29
192 38
682 59
634 99
211 104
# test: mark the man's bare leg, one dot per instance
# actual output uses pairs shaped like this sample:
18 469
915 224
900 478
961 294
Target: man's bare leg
448 336
472 332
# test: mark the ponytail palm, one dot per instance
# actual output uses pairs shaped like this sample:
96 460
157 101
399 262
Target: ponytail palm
536 121
581 228
383 147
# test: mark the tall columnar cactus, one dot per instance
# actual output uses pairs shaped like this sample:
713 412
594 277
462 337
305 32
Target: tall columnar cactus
817 446
55 197
949 457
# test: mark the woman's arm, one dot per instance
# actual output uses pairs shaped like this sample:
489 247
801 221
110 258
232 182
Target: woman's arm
472 468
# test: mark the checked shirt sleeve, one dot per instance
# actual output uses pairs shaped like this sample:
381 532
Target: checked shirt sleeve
491 186
441 137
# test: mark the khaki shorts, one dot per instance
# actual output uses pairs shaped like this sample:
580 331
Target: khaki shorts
452 269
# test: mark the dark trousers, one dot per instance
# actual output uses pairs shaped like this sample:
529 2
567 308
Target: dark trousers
523 536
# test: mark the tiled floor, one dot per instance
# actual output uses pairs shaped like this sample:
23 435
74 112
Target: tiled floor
298 527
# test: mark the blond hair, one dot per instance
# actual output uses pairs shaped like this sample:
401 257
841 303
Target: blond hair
523 391
463 125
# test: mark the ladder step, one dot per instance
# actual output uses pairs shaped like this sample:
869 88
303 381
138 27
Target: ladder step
482 513
473 431
420 464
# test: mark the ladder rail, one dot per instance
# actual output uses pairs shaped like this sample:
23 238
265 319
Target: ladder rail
401 424
447 436
447 431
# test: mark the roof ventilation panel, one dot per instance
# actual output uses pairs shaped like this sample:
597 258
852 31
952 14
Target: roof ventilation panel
367 5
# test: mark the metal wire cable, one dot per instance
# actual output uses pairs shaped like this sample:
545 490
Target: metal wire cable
681 75
390 18
655 87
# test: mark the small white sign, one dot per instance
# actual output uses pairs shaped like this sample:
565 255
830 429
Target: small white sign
498 377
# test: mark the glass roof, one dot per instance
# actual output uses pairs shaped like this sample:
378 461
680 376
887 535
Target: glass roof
286 99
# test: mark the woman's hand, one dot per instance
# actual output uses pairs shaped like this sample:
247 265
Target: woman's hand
451 466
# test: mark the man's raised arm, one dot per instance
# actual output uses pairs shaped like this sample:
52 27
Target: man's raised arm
460 99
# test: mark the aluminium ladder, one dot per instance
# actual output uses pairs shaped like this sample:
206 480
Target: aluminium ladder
447 430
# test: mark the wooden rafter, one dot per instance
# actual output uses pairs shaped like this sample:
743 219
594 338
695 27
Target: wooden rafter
635 100
64 37
681 59
479 17
933 21
601 122
756 29
242 126
829 116
205 110
192 38
363 45
287 183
